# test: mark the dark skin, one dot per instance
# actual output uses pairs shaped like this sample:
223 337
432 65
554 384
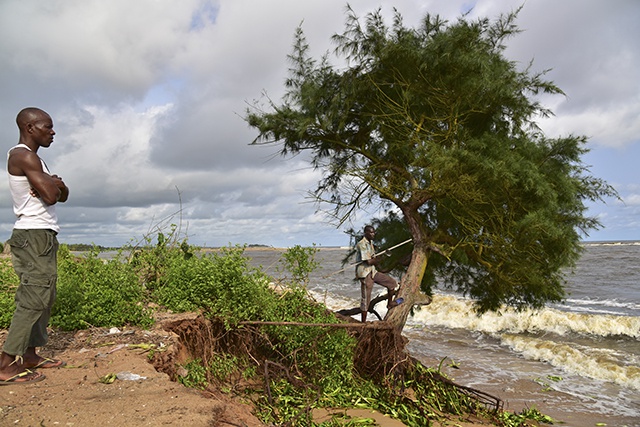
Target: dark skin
370 234
36 131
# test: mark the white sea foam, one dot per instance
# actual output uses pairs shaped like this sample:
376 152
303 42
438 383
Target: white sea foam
333 301
597 363
454 312
606 303
622 243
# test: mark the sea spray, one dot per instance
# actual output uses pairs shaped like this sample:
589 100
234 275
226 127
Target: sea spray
334 301
597 363
456 312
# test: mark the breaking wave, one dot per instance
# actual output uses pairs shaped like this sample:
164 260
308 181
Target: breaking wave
597 363
454 312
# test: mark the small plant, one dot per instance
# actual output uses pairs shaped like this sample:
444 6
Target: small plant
510 419
300 263
196 376
249 372
223 366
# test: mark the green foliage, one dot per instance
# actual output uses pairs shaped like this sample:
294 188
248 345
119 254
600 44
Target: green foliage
221 283
325 354
223 366
512 419
153 262
8 284
436 123
221 370
226 287
196 375
299 262
438 396
285 408
97 292
431 398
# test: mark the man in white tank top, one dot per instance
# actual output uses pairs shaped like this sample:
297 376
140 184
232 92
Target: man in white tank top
34 245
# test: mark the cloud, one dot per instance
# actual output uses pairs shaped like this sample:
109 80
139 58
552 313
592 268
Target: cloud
148 99
122 46
590 51
632 199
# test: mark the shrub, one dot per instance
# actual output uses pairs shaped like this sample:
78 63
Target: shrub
324 353
97 292
8 283
222 284
196 375
300 263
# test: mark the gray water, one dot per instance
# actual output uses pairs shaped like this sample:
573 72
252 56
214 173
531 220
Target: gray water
578 362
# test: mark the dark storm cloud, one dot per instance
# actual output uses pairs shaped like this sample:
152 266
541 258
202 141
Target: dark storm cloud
148 97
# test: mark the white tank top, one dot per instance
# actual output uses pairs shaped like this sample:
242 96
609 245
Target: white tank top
31 211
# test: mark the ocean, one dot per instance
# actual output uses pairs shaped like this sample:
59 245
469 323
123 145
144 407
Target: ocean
578 362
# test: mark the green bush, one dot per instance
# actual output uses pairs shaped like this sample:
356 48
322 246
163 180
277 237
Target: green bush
97 292
324 353
196 375
8 283
300 262
222 284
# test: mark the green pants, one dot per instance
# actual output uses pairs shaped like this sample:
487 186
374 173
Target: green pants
34 258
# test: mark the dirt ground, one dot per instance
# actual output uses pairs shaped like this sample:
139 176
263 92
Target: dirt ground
75 396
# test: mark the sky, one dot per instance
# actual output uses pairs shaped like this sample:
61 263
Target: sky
148 99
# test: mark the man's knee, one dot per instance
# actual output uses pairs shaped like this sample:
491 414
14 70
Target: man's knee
386 281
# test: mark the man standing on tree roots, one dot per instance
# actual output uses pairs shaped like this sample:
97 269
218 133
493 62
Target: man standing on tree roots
34 248
368 275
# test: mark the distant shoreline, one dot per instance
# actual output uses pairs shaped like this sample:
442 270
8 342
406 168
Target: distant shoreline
272 248
255 247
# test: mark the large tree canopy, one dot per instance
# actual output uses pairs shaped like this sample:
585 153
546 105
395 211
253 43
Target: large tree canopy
435 122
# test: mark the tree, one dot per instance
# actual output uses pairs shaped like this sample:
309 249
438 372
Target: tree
435 123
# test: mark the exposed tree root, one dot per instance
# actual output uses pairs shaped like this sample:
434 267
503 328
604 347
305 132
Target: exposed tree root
380 354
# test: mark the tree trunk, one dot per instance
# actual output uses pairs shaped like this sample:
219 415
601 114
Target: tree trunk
410 282
409 289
